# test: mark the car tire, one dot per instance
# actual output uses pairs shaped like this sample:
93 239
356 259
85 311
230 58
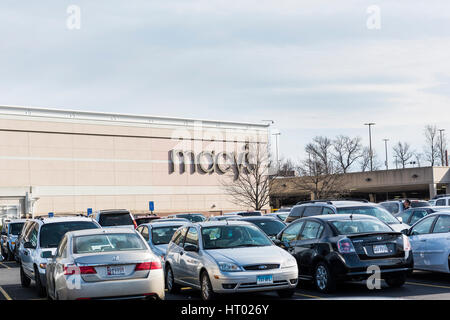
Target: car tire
39 287
172 287
24 280
397 281
287 293
323 279
207 291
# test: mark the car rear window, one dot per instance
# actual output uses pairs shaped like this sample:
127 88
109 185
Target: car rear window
107 242
420 204
163 235
345 227
15 228
392 207
250 214
52 233
269 226
115 219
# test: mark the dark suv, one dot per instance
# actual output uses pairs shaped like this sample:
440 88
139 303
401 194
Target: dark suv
341 247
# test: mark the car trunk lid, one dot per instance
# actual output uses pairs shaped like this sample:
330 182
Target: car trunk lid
378 245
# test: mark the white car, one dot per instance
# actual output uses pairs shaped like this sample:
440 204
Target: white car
430 241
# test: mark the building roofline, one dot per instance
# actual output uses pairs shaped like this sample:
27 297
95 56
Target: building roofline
118 117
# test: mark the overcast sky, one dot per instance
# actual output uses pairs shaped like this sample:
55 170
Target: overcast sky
314 67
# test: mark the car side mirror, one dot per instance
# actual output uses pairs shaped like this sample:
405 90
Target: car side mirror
28 245
277 242
405 232
191 247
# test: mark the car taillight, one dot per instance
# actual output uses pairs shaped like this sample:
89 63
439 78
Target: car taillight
148 266
345 246
406 243
135 224
73 269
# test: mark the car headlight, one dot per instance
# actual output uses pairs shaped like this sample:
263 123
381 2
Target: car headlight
229 267
289 263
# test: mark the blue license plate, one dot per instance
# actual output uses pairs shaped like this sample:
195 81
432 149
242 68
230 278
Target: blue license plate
265 279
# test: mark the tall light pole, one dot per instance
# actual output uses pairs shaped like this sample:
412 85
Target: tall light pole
396 162
276 144
442 147
385 147
370 124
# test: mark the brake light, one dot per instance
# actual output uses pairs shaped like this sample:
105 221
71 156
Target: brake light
148 266
135 224
73 269
345 246
406 243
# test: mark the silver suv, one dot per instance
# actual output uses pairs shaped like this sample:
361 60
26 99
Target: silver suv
38 242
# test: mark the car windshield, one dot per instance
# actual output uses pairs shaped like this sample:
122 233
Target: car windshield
107 242
283 216
345 227
52 233
15 228
115 219
270 226
392 207
374 211
229 236
163 235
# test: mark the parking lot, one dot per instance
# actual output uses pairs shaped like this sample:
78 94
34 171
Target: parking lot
421 285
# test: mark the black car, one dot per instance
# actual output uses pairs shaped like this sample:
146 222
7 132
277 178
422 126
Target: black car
145 219
341 247
413 215
270 225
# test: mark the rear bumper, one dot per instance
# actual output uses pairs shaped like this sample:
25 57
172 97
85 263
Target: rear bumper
153 285
285 278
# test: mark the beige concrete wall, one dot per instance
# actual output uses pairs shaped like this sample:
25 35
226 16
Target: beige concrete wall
72 164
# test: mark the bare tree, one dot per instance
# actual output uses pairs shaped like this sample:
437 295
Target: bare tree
418 157
346 151
403 152
321 150
364 163
287 168
252 186
431 149
320 180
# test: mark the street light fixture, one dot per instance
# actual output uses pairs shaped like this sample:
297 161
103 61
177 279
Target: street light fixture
276 143
370 124
441 149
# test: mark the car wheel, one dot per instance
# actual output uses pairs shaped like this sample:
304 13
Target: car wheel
287 293
397 281
172 287
323 278
206 287
24 280
39 287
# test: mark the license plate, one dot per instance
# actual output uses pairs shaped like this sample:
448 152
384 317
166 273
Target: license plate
381 248
115 271
265 279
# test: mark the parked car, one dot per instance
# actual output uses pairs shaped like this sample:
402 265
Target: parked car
8 240
243 213
271 226
281 216
432 202
227 257
145 219
341 247
442 201
430 241
396 206
158 235
411 216
192 217
38 242
169 220
325 207
104 264
115 218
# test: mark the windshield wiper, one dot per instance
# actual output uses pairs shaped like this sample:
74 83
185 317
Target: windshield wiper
249 245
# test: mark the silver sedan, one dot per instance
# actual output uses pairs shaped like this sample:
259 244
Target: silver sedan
104 264
227 257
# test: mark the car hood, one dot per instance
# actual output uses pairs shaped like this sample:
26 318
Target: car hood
250 255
